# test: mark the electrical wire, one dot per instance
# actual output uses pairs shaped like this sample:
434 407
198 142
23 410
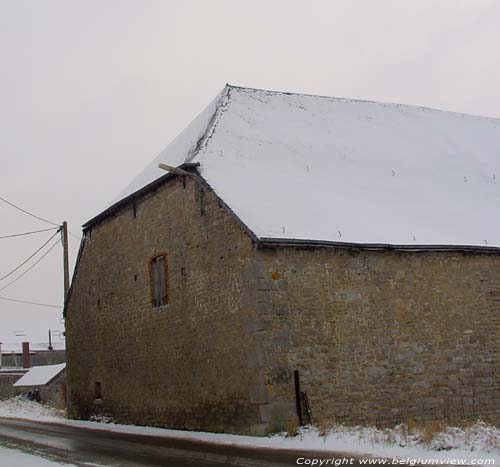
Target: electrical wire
74 236
36 217
58 227
27 212
27 259
28 233
31 267
30 303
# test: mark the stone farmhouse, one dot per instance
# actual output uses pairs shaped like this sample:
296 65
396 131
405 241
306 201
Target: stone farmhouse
296 257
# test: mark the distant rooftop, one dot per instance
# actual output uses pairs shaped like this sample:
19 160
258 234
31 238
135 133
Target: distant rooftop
295 166
8 347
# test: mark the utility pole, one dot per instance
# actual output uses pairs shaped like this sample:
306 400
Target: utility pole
64 234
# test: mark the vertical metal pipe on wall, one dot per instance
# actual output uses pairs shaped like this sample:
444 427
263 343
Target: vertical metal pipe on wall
298 399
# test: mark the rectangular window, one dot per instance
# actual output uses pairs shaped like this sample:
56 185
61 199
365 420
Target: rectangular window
159 281
97 390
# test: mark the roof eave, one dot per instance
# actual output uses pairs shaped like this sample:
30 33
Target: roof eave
273 242
136 194
270 242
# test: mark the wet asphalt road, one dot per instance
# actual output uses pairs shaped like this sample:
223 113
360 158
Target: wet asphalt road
86 447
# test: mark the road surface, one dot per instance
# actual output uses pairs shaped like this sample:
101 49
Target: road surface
86 447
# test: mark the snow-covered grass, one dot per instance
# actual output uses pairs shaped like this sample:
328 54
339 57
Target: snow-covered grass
470 442
21 407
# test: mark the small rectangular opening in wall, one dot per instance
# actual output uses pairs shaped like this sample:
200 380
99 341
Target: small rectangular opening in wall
97 390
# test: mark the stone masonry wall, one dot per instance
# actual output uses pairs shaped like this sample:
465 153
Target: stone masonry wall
377 336
382 337
192 364
7 379
54 394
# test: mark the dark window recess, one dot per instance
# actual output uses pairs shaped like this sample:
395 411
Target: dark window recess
159 281
97 390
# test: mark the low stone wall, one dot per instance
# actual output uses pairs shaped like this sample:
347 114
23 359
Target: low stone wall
7 379
54 394
37 358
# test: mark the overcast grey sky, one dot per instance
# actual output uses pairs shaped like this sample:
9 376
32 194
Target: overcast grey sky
91 91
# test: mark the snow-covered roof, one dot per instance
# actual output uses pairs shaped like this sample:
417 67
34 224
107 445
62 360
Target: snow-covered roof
40 375
294 166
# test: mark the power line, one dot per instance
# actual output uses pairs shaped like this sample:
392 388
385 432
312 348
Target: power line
27 212
28 233
31 267
36 217
26 260
30 303
75 236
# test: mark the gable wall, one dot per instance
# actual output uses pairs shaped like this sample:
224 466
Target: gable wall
189 365
382 337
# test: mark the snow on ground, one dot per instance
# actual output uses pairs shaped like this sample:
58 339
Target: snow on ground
15 458
476 441
20 407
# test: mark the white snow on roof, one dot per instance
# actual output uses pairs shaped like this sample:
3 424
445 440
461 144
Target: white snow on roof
40 375
320 168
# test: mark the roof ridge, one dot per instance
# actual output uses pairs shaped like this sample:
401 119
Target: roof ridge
202 142
363 101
